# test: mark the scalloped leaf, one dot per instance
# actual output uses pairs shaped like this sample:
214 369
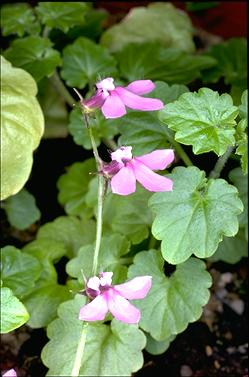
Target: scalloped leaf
13 314
73 232
73 187
18 19
241 133
62 15
194 217
22 120
157 347
126 219
241 182
21 210
35 55
172 302
119 343
19 271
231 249
43 302
111 258
159 22
155 62
84 61
205 120
101 128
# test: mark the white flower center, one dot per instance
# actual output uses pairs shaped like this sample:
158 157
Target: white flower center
106 84
121 155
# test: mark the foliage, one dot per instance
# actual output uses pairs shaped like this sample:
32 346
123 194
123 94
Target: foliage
55 47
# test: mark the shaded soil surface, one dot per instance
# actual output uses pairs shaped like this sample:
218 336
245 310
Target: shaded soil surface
216 345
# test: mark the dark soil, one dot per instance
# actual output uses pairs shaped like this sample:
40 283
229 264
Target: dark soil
216 345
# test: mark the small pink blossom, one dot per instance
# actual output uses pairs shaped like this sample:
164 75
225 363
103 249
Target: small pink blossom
114 298
113 100
10 373
125 170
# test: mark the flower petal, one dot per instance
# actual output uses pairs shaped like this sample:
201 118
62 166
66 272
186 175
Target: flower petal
124 182
10 373
136 102
136 288
141 86
157 160
113 106
150 180
121 309
94 311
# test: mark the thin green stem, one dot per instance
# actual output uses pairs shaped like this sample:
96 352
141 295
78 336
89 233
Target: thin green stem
178 148
61 89
99 224
79 352
221 162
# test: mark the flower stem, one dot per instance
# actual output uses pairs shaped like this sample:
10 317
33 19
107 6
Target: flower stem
60 87
101 192
178 148
221 162
80 351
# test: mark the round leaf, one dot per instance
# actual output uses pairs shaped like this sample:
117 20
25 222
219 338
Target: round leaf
84 61
35 55
174 301
19 271
157 347
204 120
21 210
158 22
110 350
22 121
14 313
241 182
194 217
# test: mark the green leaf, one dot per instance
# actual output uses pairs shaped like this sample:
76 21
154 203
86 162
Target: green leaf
73 186
194 217
231 56
13 314
159 22
194 6
101 128
54 109
143 130
154 62
19 271
174 301
110 350
84 61
73 232
21 210
157 347
204 120
125 218
111 258
231 250
35 55
43 302
241 133
241 182
62 15
47 251
18 19
22 120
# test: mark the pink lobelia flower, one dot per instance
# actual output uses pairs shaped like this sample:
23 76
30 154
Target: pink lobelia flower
10 373
114 298
124 170
112 100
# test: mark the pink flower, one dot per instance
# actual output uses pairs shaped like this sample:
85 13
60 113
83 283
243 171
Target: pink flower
112 100
10 373
114 298
124 170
